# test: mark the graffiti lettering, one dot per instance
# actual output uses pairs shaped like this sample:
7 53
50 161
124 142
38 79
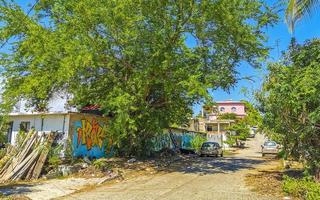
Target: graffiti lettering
91 134
90 139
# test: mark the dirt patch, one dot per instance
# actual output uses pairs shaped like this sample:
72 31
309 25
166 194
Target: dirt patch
267 179
266 182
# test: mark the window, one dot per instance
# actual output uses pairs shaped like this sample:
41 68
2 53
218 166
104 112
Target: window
9 135
25 126
212 127
222 109
233 109
270 144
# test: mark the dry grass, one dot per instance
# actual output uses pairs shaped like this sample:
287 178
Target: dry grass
266 182
268 179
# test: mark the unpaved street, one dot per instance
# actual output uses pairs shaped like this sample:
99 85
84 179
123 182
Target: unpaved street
191 178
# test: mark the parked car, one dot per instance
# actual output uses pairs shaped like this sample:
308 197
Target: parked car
270 147
211 148
252 134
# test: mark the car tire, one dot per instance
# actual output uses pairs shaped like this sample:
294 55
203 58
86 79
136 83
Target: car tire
221 155
201 155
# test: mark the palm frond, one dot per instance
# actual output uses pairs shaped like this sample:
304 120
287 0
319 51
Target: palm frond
297 9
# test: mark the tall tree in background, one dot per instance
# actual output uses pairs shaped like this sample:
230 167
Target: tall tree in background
130 57
297 9
290 101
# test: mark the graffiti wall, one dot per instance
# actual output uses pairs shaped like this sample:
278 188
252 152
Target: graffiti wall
90 136
181 138
162 142
184 139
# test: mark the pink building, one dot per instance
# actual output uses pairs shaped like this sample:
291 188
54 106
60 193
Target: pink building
216 128
222 107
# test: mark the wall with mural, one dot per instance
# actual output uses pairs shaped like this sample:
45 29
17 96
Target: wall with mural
90 136
179 138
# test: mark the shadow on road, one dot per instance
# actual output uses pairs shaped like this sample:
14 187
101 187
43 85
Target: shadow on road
15 189
211 165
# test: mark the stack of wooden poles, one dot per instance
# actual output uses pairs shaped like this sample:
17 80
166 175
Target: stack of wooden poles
26 161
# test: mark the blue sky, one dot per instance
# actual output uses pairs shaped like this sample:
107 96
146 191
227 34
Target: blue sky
308 28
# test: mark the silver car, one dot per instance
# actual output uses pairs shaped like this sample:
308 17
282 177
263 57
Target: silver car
211 148
269 147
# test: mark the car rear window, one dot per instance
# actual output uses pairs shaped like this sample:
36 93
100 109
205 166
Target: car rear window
206 145
270 144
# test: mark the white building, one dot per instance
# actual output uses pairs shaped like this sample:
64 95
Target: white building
87 133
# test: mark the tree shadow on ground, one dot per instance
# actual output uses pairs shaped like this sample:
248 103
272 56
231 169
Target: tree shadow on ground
211 165
15 189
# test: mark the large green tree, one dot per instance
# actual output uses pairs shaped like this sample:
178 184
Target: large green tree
290 101
131 57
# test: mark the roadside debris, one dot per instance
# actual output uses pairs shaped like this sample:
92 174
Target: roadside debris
132 160
26 161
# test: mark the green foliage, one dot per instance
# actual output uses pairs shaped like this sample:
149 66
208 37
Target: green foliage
3 152
238 132
304 188
297 9
197 142
3 129
54 157
130 57
21 136
253 117
231 116
102 164
290 102
3 138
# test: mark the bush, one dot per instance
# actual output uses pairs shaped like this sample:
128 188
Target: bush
197 142
3 152
54 157
102 164
304 188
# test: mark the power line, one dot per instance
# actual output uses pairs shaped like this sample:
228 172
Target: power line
28 13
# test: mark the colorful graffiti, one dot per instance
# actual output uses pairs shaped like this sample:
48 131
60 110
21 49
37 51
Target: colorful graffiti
181 140
89 139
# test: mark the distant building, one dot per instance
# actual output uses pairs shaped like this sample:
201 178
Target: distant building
210 123
222 107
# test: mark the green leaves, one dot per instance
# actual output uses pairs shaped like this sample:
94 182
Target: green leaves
290 100
298 9
131 57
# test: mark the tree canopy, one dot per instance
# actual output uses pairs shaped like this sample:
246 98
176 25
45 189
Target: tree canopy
290 101
240 130
145 63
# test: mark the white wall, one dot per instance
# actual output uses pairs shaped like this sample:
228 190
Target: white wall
56 122
58 103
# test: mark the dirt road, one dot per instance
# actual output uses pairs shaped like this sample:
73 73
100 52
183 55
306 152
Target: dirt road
192 178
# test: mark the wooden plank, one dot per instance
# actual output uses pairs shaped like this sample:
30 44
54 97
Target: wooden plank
38 168
30 171
25 169
16 170
19 157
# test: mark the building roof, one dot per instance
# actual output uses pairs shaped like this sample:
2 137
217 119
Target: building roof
229 101
37 113
48 113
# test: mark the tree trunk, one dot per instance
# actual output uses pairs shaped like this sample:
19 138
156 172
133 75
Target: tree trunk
317 174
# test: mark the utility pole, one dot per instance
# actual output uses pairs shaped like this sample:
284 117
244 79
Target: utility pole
277 45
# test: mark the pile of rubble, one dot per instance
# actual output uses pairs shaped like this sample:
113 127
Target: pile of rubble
26 161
